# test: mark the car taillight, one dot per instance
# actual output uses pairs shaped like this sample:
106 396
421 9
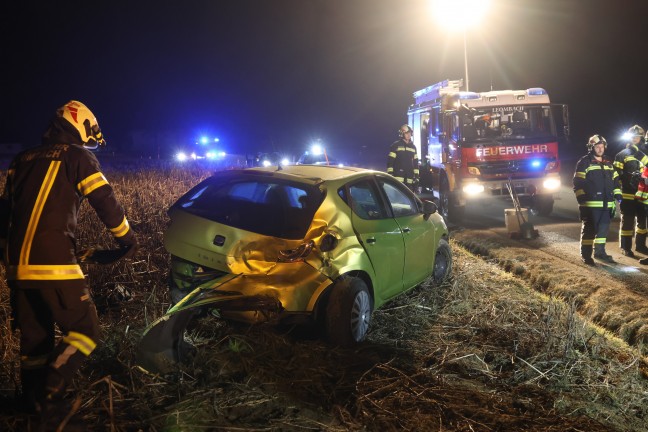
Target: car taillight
297 254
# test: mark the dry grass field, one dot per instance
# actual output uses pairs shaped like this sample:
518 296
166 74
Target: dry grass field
484 352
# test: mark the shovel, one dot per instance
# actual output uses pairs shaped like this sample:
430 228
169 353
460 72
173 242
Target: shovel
527 231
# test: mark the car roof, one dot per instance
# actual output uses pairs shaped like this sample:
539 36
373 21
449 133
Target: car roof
311 173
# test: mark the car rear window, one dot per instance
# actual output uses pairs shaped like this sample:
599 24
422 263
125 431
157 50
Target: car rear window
264 206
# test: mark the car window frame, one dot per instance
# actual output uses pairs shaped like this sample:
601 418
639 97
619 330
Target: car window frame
379 194
417 204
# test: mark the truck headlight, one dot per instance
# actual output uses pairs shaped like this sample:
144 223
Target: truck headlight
473 188
551 183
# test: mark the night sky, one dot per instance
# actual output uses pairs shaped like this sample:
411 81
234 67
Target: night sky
276 74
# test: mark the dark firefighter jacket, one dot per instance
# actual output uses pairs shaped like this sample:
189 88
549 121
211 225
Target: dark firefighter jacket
629 163
402 162
596 183
38 209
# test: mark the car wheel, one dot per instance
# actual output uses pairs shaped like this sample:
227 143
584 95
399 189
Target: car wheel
348 312
442 262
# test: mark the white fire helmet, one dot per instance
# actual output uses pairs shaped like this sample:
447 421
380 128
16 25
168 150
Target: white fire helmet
596 139
636 131
404 129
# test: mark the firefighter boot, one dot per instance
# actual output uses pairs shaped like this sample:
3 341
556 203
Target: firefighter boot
600 254
32 383
586 255
640 244
626 246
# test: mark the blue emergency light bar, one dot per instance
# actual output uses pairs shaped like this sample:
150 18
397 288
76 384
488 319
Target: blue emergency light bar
536 91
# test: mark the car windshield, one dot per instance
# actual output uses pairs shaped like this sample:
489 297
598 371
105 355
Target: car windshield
262 205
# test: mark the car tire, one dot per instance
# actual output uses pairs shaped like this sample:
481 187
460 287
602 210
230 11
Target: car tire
348 312
442 262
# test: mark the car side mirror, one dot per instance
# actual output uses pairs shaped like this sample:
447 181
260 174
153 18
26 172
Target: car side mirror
429 208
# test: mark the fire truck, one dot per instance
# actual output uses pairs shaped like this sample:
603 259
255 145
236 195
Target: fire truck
472 145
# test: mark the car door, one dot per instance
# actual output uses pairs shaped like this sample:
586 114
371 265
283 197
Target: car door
380 235
418 233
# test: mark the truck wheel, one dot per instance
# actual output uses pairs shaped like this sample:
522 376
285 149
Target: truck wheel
543 204
442 262
348 312
448 208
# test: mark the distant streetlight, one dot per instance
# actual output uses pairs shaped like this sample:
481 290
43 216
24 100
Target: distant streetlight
460 15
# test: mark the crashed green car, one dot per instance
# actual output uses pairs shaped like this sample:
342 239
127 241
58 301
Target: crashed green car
296 244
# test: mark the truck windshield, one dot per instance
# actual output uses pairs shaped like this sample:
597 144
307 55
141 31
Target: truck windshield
503 123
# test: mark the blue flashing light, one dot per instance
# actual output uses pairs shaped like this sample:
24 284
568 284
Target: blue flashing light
536 91
216 139
536 163
468 95
204 140
210 155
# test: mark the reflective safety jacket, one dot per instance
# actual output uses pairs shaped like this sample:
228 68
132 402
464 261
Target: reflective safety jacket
402 162
596 182
642 190
39 207
629 163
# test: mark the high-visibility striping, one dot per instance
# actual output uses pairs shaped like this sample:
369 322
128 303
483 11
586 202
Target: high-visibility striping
587 242
392 155
44 191
44 272
120 230
626 233
81 342
599 240
90 183
580 175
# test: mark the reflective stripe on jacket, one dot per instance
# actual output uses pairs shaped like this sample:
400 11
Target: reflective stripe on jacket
596 182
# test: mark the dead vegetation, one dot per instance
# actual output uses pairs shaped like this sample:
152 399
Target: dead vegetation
484 352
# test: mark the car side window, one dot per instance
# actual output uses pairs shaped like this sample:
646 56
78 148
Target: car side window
365 200
401 202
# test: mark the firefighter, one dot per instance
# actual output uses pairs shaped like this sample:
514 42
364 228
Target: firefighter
45 186
597 186
402 161
629 163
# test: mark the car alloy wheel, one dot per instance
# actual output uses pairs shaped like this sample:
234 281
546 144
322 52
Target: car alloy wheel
348 312
442 262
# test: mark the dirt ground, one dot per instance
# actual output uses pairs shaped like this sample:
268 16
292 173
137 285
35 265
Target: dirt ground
506 345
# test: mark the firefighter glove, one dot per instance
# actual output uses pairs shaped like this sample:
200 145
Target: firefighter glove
129 243
612 212
618 198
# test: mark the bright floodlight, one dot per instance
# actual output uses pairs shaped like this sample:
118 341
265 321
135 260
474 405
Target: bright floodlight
626 137
459 14
285 161
181 156
203 140
317 149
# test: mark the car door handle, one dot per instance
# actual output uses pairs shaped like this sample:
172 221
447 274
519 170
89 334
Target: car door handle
371 240
406 230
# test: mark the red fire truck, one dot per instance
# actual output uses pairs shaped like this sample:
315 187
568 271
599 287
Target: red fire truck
471 144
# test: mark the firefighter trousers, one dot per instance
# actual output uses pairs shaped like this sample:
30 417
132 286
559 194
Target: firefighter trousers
594 229
633 220
46 367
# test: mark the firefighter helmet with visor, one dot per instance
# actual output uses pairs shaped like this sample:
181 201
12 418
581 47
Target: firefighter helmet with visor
84 121
594 140
404 129
636 131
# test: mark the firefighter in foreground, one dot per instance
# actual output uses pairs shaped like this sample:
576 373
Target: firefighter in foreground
402 161
642 194
629 163
597 186
38 215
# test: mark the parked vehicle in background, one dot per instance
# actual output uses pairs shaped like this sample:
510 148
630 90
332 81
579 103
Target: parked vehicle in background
300 244
471 143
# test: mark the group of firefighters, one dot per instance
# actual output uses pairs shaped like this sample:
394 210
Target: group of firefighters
600 183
